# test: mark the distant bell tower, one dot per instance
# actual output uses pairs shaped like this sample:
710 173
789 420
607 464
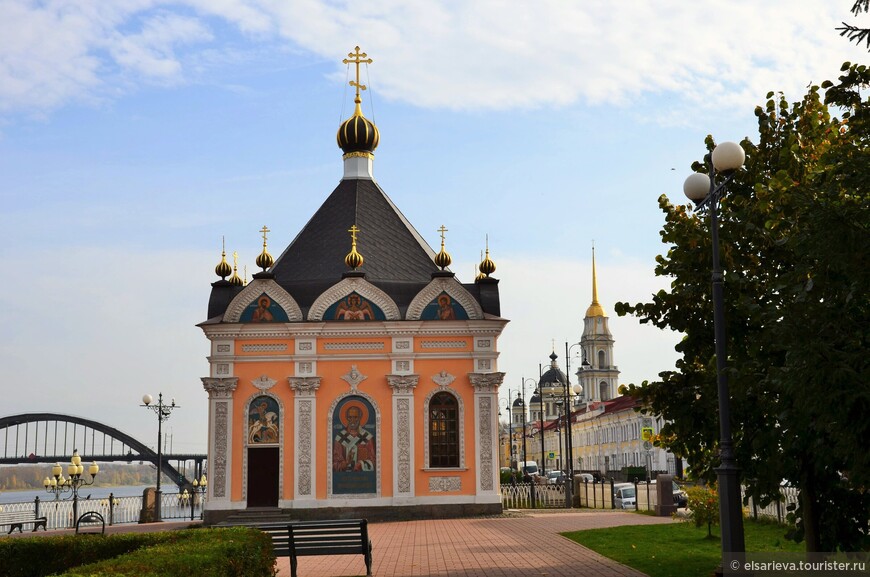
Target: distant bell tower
598 373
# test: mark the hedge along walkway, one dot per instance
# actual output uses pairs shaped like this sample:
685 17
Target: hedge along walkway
514 545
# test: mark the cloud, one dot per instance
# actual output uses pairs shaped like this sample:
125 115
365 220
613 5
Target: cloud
479 54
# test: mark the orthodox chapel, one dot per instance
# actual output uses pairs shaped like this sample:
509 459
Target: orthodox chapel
355 374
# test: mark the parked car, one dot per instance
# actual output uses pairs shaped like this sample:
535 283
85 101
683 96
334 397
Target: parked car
529 470
555 477
586 477
681 499
624 496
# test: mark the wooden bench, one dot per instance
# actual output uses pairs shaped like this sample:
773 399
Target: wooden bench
17 519
344 537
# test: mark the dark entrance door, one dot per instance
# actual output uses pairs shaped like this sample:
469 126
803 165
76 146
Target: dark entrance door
263 477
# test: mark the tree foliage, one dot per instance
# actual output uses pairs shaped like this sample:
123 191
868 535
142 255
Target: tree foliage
795 245
857 34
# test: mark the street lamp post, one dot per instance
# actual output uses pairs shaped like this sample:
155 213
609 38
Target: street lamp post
703 190
57 485
525 453
569 431
540 392
163 411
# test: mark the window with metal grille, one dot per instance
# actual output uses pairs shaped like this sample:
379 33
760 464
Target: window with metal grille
443 431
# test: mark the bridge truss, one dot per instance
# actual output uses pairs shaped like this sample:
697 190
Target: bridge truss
51 438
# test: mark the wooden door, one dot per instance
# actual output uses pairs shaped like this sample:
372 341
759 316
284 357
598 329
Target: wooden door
263 473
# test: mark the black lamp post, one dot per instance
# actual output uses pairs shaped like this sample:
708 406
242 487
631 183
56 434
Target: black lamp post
569 440
163 411
57 485
540 392
703 190
525 453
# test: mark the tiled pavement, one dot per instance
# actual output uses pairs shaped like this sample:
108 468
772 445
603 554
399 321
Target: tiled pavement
514 545
517 544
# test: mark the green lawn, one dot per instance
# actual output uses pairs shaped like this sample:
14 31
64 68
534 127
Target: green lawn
678 549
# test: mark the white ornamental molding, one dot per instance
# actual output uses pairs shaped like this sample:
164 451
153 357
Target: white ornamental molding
444 285
220 449
485 432
486 382
272 290
354 378
445 484
219 388
263 383
360 286
443 379
403 384
304 386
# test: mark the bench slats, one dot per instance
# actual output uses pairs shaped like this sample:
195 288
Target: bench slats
344 537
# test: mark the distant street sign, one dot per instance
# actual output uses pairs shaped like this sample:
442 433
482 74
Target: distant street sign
646 433
647 446
551 455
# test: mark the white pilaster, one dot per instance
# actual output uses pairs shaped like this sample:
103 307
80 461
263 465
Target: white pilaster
220 440
305 435
486 431
403 436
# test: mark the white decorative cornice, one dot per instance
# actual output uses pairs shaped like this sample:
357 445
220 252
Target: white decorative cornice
263 383
304 386
486 382
354 378
219 388
403 384
254 289
447 285
443 379
360 286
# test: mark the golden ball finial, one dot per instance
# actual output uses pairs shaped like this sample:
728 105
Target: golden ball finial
354 259
487 267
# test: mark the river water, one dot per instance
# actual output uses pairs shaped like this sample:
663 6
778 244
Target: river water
95 493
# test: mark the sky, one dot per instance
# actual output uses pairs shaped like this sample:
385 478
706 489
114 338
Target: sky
135 135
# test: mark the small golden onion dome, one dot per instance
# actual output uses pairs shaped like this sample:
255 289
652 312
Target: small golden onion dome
487 267
265 260
354 259
358 135
236 279
443 259
223 269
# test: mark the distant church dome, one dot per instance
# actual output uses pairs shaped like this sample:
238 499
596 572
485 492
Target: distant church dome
358 134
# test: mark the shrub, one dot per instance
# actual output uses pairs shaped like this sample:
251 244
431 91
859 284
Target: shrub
703 504
236 552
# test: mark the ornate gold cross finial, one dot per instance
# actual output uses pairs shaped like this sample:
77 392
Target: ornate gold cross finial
235 259
357 58
264 230
353 230
442 230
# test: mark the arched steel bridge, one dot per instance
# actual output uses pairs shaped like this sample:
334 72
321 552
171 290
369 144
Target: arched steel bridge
51 438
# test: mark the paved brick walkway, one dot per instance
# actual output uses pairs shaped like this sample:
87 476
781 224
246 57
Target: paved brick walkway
512 546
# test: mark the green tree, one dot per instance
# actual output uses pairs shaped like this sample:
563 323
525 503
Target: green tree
795 245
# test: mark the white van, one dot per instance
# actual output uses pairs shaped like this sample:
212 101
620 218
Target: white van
624 496
529 468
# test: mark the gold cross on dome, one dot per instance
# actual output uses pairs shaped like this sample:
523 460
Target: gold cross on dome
357 58
235 259
353 230
264 230
442 230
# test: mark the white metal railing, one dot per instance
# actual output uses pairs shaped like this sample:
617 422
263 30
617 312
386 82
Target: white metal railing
776 510
519 496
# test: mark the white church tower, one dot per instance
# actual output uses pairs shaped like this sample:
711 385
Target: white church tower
598 373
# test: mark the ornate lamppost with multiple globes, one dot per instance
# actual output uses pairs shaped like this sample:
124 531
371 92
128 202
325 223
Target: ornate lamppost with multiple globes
163 411
199 488
57 484
703 190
